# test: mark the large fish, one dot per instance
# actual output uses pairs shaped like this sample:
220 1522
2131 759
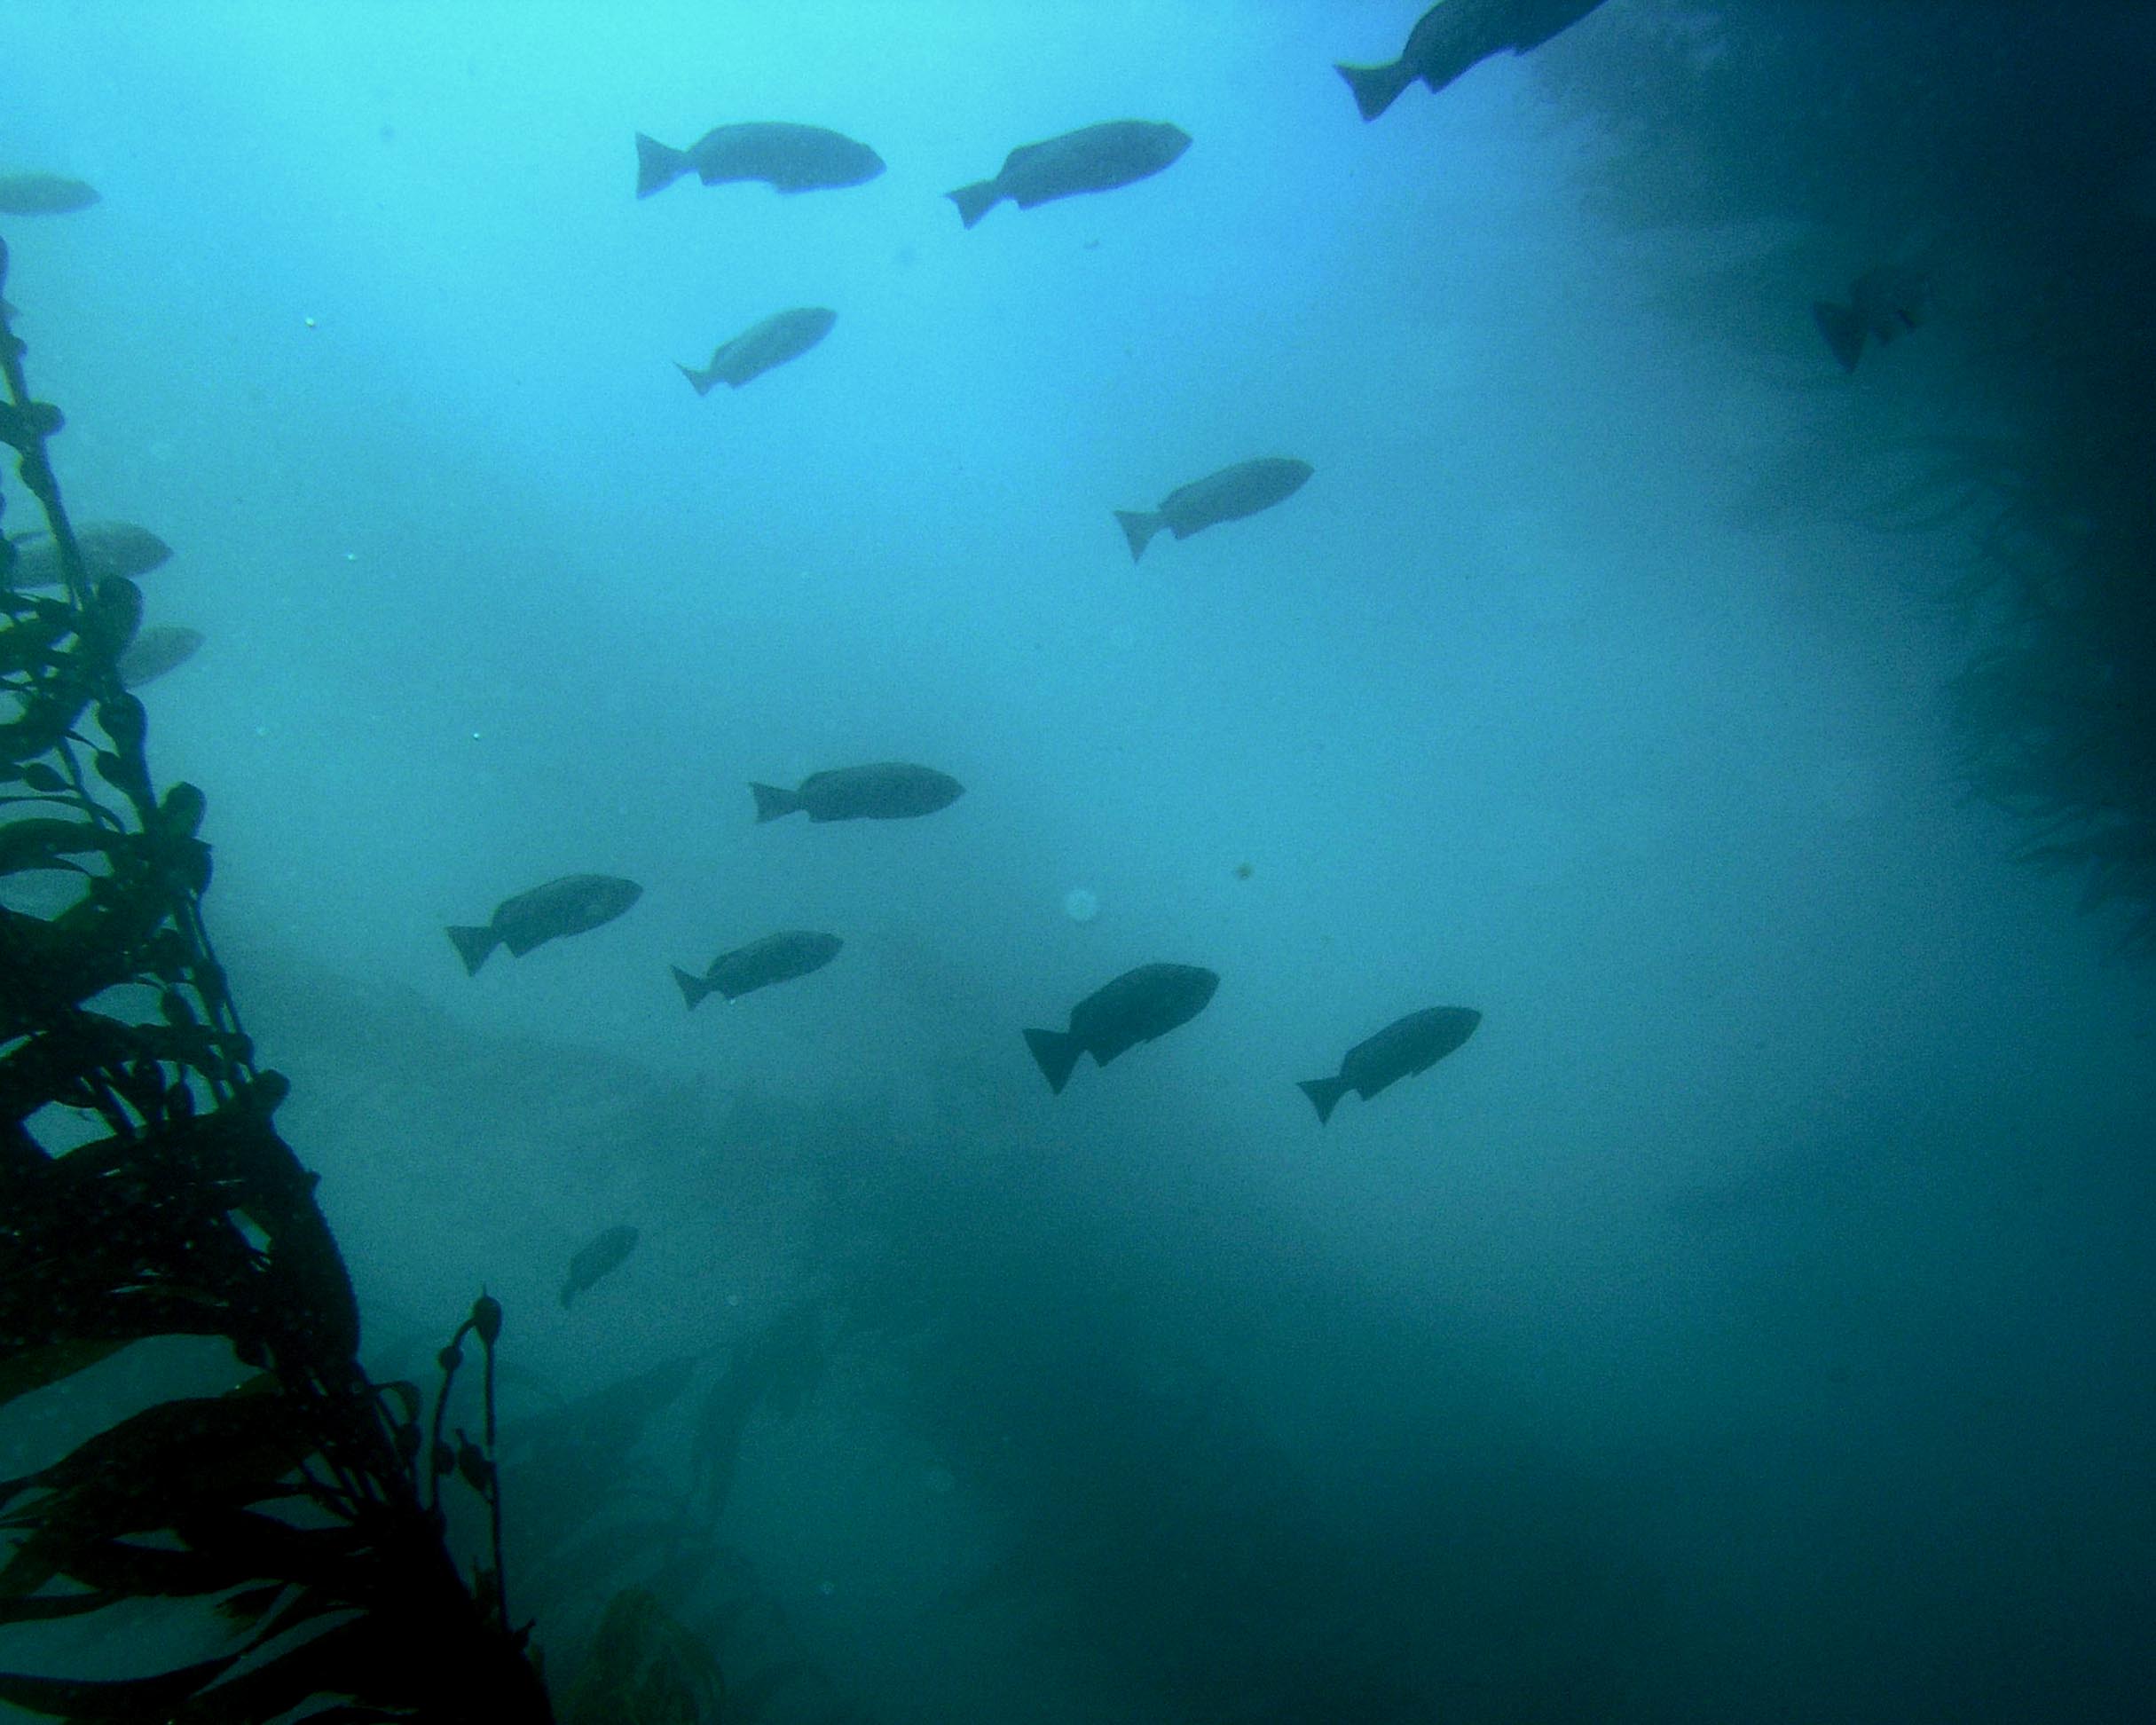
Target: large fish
1884 303
782 337
568 906
1229 495
1402 1049
1092 159
593 1260
160 647
108 548
775 959
1137 1006
883 791
784 156
43 194
1455 34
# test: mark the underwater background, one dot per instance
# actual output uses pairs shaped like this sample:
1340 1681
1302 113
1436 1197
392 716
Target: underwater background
1751 1321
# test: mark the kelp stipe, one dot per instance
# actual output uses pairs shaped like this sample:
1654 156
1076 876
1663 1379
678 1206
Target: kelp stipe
144 1192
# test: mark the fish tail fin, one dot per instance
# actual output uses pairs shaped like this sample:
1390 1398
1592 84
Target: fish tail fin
1376 87
1056 1052
568 1292
771 802
473 945
1844 331
1139 526
701 381
1324 1094
976 201
693 987
657 165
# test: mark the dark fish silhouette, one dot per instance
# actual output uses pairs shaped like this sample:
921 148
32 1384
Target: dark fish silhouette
595 1259
1092 159
1885 303
1455 34
160 647
1137 1006
883 791
43 194
784 156
1229 495
568 906
108 548
1402 1049
782 337
775 959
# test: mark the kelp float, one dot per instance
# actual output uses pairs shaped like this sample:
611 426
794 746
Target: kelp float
294 1524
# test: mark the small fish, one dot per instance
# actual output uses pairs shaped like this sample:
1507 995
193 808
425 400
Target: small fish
160 647
1884 303
1092 159
883 791
784 156
1229 495
108 548
1137 1006
1455 34
775 959
782 337
595 1259
568 906
1401 1049
43 194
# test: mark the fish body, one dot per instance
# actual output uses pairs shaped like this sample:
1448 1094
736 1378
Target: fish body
782 337
1884 303
109 548
883 791
596 1258
1455 34
568 906
784 156
775 959
43 194
1092 159
1136 1007
160 647
1402 1049
1229 495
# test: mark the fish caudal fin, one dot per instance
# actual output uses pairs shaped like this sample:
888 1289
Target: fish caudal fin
1139 526
1324 1094
473 945
693 987
1376 87
771 802
1056 1052
975 200
568 1292
701 381
657 165
1844 331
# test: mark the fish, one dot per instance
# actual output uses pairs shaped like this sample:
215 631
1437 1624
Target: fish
782 337
160 647
1092 159
1136 1007
568 906
596 1258
1884 303
1455 34
775 959
1229 495
43 194
882 791
1402 1049
784 156
109 548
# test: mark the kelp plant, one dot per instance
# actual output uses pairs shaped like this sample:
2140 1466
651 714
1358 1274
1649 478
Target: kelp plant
293 1523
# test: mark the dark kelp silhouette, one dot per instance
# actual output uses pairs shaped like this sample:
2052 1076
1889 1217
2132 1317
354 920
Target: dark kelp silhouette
144 1192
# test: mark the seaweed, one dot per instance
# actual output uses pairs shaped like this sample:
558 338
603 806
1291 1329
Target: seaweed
146 1194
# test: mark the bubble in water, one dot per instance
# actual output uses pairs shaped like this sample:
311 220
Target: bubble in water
1080 905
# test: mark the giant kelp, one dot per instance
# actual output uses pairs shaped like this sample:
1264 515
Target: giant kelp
146 1194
